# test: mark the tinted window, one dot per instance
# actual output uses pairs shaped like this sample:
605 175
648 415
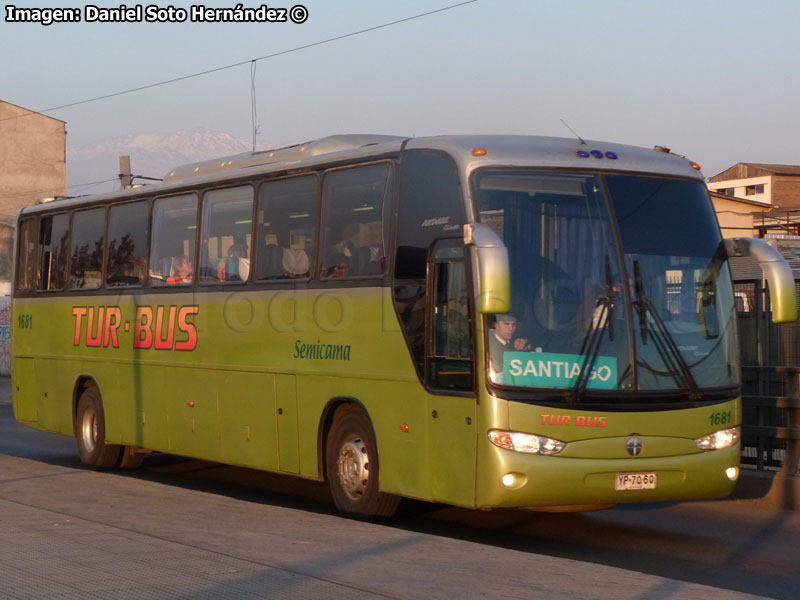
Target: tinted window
431 208
353 237
88 230
173 242
53 251
128 226
287 228
227 229
649 208
26 255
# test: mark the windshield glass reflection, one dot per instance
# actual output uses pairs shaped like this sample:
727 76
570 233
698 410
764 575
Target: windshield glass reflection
576 311
683 276
565 282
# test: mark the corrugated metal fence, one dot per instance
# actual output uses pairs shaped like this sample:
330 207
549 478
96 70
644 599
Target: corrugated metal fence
771 383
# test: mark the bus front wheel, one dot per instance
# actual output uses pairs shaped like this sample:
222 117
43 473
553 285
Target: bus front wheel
352 469
90 432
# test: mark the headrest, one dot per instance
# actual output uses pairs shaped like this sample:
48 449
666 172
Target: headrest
295 261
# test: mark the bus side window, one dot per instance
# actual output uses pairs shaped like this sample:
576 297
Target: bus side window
227 233
128 226
450 353
53 251
26 255
353 243
287 228
173 239
88 232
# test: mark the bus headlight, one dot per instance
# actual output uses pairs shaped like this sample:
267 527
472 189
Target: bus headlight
525 442
719 439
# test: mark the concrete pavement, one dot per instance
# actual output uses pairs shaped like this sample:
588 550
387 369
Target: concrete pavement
172 530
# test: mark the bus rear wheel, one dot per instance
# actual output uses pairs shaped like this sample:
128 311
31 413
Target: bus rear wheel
90 432
352 469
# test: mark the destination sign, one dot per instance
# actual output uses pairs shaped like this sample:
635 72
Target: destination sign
545 369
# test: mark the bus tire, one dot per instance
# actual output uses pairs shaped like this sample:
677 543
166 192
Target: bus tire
90 432
352 469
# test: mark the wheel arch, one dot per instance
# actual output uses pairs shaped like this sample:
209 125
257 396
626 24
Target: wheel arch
82 382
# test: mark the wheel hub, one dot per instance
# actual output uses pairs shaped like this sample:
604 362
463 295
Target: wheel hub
353 467
89 430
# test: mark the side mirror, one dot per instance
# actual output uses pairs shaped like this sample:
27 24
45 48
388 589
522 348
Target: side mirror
494 274
776 271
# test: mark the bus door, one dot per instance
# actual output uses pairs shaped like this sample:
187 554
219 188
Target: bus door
449 373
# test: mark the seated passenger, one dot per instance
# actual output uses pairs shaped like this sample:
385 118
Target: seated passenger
338 264
237 266
182 271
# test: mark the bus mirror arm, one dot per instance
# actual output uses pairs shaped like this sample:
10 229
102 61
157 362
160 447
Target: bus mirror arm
492 267
776 271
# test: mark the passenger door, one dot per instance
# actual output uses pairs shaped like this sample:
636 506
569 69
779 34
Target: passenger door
449 374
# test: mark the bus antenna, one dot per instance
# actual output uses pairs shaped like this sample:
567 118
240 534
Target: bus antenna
580 139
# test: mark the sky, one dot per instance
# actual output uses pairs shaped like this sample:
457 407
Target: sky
714 81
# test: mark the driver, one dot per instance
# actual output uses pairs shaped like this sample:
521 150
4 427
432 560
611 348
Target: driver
503 339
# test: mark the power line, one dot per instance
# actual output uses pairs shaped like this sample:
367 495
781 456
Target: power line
250 61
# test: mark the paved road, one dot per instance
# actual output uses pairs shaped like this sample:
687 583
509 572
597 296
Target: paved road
180 528
5 390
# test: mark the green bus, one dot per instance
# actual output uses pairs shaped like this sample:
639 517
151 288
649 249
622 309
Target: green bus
485 321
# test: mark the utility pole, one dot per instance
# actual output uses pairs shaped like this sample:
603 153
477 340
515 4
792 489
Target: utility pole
125 178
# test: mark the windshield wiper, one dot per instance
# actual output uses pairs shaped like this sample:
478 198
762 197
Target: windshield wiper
644 306
592 342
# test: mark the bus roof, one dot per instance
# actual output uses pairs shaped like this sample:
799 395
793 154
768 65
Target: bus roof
494 150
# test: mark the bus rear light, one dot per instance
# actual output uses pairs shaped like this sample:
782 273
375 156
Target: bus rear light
479 152
719 439
525 442
695 166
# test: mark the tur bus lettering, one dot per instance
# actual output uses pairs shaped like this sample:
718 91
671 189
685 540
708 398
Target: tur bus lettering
99 327
579 421
146 337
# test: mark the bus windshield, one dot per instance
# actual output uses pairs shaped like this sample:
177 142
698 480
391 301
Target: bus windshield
604 294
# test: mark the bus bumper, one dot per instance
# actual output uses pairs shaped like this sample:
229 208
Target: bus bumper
513 479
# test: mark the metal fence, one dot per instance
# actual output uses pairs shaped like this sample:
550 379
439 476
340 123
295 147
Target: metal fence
771 383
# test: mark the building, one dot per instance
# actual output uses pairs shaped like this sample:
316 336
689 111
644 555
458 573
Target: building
757 199
737 216
765 184
32 166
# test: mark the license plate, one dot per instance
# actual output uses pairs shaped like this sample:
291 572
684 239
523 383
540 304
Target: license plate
635 481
